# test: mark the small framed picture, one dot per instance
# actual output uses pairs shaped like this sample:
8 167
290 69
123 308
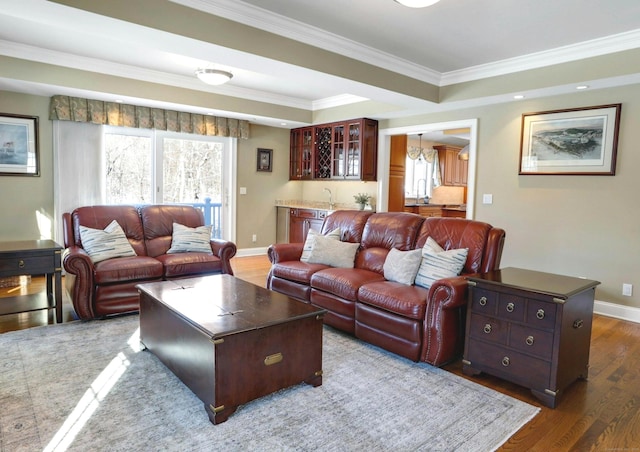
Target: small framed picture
265 157
19 145
576 141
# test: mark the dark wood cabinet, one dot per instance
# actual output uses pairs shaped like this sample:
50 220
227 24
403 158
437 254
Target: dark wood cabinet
302 220
453 171
345 150
530 328
301 154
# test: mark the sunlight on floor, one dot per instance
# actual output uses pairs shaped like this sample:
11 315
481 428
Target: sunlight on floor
95 394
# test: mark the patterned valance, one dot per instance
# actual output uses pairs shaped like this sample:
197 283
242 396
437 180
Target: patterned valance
66 108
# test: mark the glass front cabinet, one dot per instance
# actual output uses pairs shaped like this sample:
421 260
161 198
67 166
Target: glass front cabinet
301 158
345 150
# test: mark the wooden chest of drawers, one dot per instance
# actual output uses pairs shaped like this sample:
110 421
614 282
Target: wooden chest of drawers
530 328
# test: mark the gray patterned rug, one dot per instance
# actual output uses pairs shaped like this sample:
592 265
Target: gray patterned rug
86 386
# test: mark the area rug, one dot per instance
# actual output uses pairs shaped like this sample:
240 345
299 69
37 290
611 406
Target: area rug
87 386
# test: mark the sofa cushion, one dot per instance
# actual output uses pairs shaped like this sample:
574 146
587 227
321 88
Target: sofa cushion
438 263
127 269
296 271
184 264
398 298
107 243
343 282
335 253
185 239
402 266
311 241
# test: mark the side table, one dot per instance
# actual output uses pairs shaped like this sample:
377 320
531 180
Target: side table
530 328
33 257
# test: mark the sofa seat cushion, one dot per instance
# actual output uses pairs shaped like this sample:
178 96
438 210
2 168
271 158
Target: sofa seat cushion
296 271
343 282
398 298
125 269
183 264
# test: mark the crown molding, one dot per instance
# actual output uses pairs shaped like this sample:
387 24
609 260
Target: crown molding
587 49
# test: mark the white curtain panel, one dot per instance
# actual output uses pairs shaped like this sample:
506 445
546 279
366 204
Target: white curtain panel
78 176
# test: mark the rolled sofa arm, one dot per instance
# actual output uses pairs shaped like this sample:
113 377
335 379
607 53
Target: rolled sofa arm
283 252
444 318
79 268
225 250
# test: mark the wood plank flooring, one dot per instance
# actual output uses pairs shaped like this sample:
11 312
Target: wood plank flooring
601 414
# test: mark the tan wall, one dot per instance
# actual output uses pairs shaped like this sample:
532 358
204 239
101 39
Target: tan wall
26 204
574 225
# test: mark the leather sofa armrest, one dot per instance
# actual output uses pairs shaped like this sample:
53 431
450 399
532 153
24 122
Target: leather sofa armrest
225 250
77 262
448 293
282 252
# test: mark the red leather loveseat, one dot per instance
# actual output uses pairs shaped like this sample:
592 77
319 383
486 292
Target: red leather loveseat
109 286
414 322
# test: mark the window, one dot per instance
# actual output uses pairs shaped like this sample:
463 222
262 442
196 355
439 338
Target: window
418 181
147 166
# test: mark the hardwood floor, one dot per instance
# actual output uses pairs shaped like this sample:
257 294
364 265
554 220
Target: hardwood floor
601 414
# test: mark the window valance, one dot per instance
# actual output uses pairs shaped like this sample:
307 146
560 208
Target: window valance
66 108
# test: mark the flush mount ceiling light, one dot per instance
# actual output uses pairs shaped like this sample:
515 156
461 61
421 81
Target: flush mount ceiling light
214 76
417 3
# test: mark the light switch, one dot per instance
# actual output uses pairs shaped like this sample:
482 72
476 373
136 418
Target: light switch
487 199
243 190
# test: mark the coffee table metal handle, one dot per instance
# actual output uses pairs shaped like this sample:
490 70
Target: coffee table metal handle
273 359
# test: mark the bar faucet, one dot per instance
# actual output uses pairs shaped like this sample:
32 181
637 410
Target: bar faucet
331 204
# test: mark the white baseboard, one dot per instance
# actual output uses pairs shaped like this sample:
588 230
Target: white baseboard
617 311
251 252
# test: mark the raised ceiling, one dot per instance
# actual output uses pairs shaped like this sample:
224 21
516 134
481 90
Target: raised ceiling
409 55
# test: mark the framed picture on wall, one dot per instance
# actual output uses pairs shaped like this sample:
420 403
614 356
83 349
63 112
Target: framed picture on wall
265 157
19 145
576 141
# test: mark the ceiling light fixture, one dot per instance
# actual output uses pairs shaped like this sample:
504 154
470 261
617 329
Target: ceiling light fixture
464 153
214 76
417 3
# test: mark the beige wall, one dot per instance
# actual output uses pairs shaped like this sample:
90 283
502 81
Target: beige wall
26 204
574 225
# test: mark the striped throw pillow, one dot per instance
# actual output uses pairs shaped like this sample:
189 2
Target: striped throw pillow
438 263
190 240
105 244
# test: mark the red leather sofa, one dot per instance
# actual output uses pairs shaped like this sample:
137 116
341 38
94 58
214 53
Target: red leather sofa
109 287
411 321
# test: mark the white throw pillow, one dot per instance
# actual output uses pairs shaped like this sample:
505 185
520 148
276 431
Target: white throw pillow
336 234
437 263
402 266
185 239
105 244
333 252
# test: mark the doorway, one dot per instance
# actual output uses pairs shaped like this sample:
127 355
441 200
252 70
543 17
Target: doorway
384 157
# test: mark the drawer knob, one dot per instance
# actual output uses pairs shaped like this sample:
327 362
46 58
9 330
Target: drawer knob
20 263
540 314
529 340
487 328
578 324
510 307
505 361
483 301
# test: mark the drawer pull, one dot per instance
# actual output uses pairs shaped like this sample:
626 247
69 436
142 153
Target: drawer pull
529 340
540 314
20 263
487 328
505 361
510 307
483 301
578 324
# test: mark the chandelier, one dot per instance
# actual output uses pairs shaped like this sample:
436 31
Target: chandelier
415 152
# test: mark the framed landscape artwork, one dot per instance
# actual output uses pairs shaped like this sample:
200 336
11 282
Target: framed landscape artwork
264 159
577 141
19 145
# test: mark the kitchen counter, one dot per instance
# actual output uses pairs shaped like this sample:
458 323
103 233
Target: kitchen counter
315 205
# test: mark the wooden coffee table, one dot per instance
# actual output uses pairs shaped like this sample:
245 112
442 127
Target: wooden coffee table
230 341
